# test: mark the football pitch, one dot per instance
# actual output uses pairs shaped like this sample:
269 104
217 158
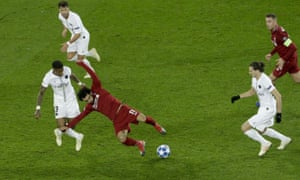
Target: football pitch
179 61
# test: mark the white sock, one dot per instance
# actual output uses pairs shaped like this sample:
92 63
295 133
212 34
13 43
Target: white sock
253 134
59 131
274 134
87 62
70 132
90 54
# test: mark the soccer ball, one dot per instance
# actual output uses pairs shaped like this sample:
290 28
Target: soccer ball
163 151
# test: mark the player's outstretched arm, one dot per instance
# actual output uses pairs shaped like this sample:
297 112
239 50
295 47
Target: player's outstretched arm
249 93
77 119
96 81
37 113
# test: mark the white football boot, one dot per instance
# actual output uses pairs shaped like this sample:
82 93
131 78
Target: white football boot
79 142
284 143
95 54
264 149
58 135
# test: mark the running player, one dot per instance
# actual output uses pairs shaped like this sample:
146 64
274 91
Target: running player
77 46
287 50
98 99
65 102
270 105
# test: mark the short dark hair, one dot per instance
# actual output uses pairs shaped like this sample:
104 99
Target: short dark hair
63 4
271 15
83 92
258 66
57 64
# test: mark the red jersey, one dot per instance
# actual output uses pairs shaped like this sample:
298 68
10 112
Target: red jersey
283 45
104 102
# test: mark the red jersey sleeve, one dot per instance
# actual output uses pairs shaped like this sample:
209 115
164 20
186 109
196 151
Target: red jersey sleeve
96 81
88 109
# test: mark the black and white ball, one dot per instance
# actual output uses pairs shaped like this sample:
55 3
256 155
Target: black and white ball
163 151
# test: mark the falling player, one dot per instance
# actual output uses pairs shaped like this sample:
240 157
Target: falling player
65 102
98 99
77 46
270 103
284 46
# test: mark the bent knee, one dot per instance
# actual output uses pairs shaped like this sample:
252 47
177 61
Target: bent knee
245 127
141 117
122 137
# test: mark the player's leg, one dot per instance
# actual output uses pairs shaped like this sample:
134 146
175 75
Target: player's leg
277 135
277 73
84 44
296 77
72 56
149 120
82 47
124 139
294 68
253 134
248 129
94 54
72 111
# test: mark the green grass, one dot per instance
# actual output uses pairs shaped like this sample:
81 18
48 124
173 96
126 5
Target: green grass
178 61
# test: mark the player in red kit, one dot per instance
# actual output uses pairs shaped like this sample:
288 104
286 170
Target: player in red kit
287 50
98 99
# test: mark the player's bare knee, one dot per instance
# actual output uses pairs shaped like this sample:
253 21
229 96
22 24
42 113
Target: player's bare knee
245 127
122 137
141 117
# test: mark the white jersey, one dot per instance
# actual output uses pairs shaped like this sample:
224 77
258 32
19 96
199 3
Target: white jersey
62 87
73 24
263 87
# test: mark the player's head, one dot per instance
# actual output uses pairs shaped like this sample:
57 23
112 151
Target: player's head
58 68
256 68
63 7
84 94
271 21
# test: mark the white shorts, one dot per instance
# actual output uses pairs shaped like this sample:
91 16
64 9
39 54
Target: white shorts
81 45
69 109
263 119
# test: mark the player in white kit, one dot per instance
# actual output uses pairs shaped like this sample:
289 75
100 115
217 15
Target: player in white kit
64 100
77 46
270 106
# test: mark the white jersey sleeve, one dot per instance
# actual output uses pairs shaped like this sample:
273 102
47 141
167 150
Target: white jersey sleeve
46 81
77 24
267 84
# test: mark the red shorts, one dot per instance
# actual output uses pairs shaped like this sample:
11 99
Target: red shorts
125 116
290 66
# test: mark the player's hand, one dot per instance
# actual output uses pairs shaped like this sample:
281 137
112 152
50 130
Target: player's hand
280 63
37 114
64 33
64 47
235 98
278 117
268 57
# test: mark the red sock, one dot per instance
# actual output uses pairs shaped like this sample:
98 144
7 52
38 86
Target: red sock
150 121
130 142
